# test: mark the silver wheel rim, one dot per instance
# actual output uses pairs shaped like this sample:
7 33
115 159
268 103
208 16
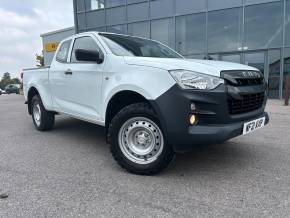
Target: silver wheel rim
141 140
37 114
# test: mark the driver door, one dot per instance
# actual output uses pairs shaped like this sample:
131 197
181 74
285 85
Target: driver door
83 82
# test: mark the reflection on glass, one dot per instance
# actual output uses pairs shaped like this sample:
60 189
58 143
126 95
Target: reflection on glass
134 1
121 29
191 34
263 25
224 30
256 60
197 56
213 57
286 68
140 29
274 73
95 4
235 58
163 31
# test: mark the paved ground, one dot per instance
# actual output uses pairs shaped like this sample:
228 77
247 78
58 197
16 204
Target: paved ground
69 172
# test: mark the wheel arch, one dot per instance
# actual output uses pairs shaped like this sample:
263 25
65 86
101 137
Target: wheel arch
31 93
120 100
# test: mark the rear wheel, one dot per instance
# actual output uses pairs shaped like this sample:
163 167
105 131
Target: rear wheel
42 119
137 141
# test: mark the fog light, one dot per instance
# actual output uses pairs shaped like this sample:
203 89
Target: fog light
192 119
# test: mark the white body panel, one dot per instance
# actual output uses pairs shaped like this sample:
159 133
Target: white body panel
86 93
39 79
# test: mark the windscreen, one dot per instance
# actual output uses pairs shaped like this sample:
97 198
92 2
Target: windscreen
122 45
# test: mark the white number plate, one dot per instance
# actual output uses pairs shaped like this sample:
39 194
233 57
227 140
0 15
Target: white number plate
253 125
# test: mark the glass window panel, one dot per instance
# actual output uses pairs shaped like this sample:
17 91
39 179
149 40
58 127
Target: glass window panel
224 30
95 19
161 9
135 1
80 4
263 25
113 3
121 29
98 29
94 4
81 20
189 7
191 34
274 57
116 16
235 58
287 23
251 2
213 57
216 5
256 60
137 12
197 56
62 53
163 31
140 29
286 68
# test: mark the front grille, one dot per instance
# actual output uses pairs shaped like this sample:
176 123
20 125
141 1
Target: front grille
248 81
246 103
243 78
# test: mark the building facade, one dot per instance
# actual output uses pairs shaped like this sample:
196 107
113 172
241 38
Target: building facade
253 32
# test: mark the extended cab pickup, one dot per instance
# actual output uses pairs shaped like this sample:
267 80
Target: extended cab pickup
152 101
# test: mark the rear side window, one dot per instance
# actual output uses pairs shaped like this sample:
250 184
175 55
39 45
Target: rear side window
85 43
62 53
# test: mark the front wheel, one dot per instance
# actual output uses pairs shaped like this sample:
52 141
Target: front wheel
137 141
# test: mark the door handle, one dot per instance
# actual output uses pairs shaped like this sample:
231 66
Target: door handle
68 72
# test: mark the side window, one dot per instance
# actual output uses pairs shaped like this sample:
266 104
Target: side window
62 53
85 43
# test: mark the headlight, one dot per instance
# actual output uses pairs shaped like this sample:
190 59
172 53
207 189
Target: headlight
193 80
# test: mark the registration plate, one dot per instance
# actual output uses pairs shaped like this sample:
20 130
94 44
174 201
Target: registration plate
253 125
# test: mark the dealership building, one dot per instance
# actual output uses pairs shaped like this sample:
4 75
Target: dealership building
252 32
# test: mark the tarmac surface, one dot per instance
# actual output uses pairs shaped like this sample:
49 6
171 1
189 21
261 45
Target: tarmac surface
69 172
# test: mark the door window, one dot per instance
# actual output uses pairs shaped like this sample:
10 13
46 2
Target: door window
62 53
85 43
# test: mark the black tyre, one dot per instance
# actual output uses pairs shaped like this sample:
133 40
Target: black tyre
137 141
42 119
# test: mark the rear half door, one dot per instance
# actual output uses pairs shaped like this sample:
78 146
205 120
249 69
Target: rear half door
58 78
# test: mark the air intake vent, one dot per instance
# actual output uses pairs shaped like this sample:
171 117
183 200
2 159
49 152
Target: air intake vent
247 103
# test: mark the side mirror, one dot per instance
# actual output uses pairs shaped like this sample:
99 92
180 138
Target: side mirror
88 56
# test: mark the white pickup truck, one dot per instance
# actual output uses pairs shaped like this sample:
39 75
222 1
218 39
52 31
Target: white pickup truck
152 101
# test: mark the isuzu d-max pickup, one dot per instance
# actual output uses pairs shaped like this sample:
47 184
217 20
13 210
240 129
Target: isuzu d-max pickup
152 101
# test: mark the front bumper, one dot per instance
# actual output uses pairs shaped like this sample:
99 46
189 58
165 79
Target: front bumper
215 123
208 134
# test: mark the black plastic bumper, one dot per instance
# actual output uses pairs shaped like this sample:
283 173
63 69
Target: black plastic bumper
208 134
215 124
